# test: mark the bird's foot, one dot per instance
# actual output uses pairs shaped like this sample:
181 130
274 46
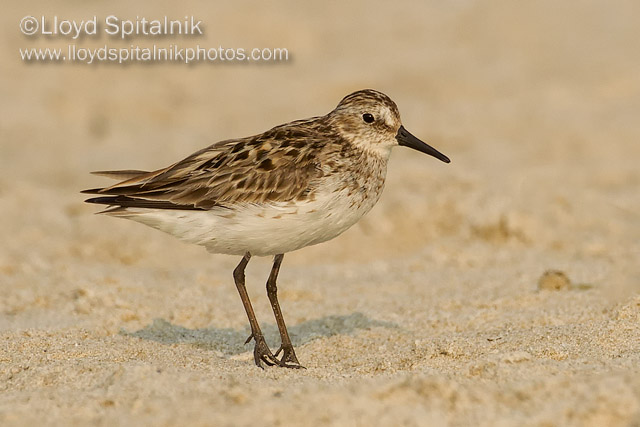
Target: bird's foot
262 353
289 359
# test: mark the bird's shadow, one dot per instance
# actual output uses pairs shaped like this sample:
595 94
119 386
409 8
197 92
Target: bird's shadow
231 341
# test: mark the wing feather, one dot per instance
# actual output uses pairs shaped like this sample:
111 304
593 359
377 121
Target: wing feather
120 175
282 164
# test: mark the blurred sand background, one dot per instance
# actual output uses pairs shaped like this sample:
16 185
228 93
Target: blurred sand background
428 312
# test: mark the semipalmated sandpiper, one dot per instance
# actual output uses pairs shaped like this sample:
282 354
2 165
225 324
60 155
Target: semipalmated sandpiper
295 185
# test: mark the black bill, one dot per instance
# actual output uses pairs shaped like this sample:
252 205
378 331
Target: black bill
407 140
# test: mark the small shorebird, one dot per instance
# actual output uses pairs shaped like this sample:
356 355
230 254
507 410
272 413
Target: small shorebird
296 185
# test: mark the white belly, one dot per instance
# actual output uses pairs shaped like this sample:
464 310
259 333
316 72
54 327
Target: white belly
262 230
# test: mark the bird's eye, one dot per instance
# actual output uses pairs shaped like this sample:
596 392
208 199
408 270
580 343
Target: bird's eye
368 118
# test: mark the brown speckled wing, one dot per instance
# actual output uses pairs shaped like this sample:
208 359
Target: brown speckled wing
281 164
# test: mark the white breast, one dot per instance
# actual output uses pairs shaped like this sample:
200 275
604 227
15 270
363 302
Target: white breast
262 230
336 203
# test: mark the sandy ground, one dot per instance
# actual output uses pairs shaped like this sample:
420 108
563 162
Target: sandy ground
427 312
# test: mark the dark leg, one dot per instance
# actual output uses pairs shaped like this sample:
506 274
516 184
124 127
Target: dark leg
261 351
289 358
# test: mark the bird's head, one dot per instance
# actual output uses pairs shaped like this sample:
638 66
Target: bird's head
371 120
